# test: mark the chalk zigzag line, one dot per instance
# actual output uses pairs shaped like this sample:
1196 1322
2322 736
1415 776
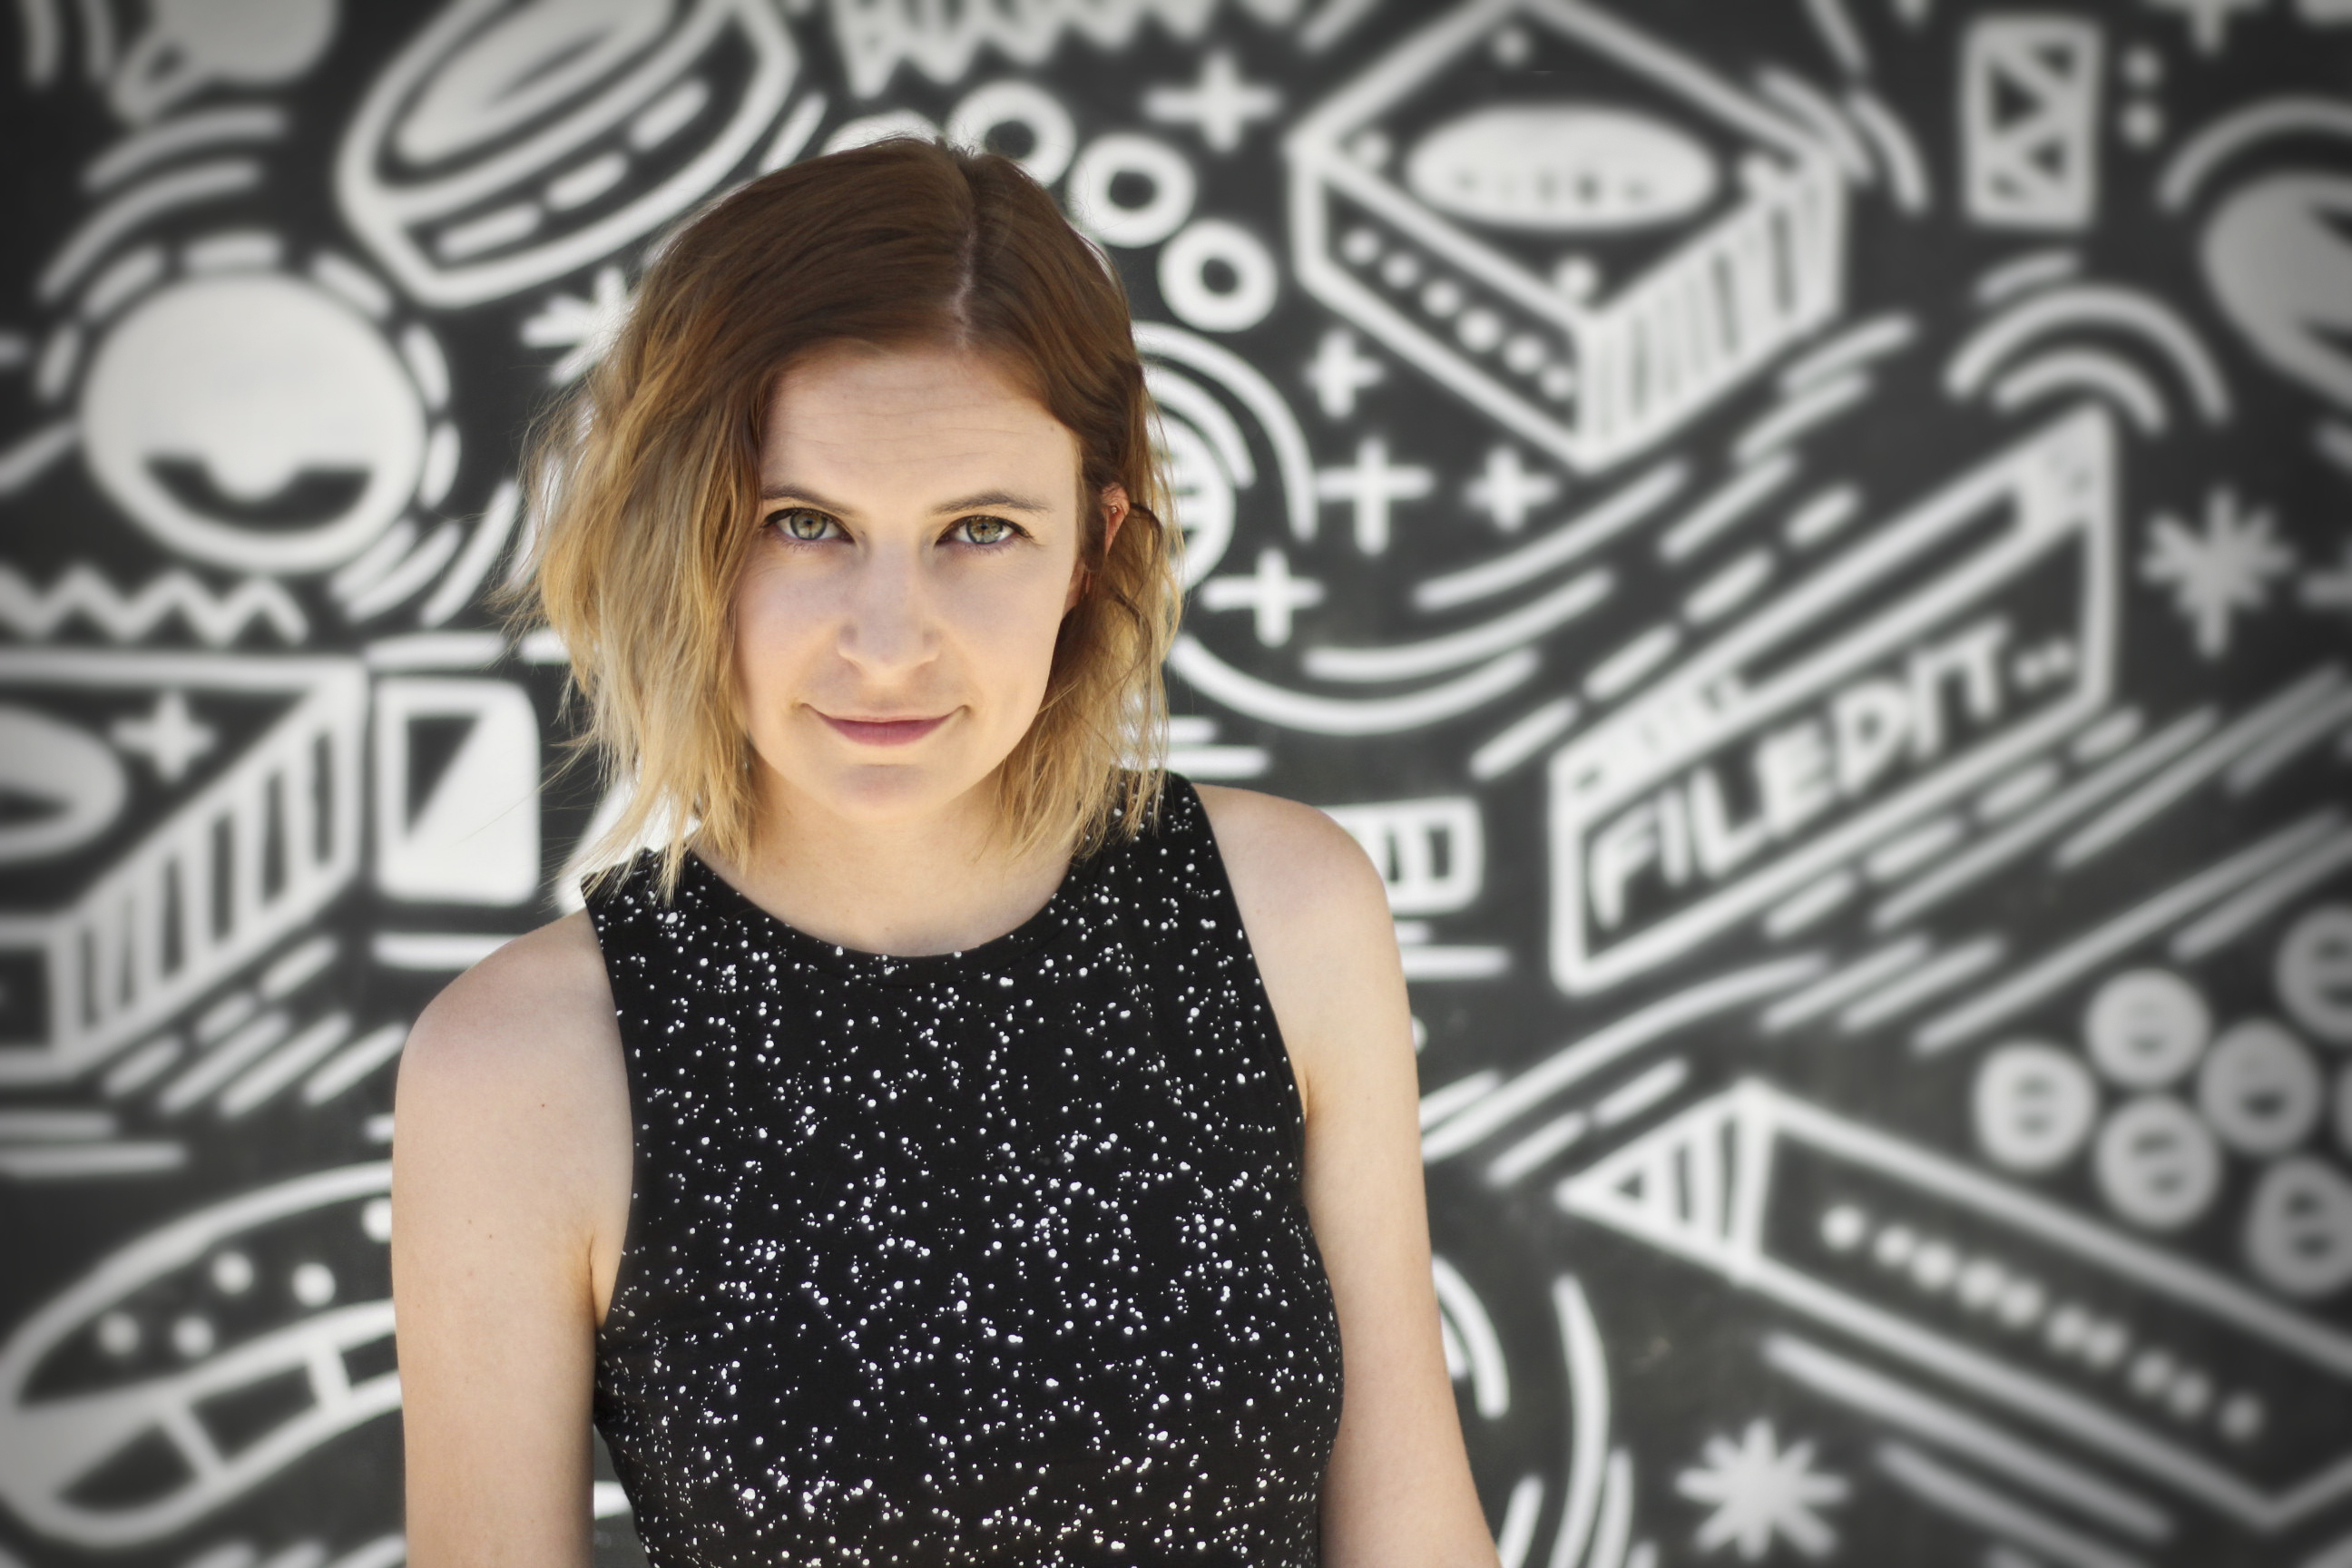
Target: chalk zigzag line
218 619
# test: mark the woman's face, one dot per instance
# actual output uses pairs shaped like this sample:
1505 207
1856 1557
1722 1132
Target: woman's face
918 547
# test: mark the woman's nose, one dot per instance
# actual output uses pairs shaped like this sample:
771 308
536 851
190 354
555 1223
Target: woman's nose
889 624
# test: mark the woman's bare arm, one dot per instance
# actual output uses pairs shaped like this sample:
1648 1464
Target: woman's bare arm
1399 1490
510 1191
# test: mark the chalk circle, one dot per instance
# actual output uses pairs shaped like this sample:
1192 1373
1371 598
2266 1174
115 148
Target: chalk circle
254 422
65 785
2298 1233
1184 282
2314 973
2033 1105
1052 136
2156 1164
868 129
1099 167
2260 1089
2148 1027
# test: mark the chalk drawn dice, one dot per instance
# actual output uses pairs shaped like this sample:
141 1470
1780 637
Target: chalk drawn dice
2260 1089
2034 1105
2314 974
2147 1029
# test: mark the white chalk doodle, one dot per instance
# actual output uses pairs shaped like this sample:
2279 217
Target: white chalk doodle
507 147
1758 1491
2030 120
2224 566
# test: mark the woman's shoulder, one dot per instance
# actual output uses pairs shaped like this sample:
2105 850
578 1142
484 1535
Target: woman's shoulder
536 1010
1287 860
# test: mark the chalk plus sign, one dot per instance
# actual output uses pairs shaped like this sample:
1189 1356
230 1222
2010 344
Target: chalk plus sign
1337 372
2209 20
1270 591
1221 103
1508 490
170 737
1370 487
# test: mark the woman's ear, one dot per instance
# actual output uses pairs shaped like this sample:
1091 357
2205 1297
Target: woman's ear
1114 505
1113 501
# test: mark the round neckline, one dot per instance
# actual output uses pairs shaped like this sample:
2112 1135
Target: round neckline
1032 938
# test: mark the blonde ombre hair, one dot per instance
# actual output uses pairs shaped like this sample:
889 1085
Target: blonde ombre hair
645 483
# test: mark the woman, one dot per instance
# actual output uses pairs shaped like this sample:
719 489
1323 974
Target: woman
952 1143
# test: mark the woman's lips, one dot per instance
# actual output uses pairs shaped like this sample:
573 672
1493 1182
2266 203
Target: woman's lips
885 731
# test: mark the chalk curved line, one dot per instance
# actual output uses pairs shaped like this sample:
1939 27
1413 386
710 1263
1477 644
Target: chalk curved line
2235 132
2091 305
1807 103
134 206
1468 646
1214 678
1518 1531
1572 1063
2066 370
185 133
1490 1378
1588 1393
1906 171
1585 531
1199 407
1258 395
1615 1529
44 40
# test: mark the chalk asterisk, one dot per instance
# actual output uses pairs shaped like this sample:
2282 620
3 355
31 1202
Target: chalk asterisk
1759 1489
2228 566
584 328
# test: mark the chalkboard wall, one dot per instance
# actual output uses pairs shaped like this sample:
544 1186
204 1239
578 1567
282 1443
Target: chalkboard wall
1812 540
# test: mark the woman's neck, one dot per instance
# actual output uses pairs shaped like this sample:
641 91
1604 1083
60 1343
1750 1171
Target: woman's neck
937 883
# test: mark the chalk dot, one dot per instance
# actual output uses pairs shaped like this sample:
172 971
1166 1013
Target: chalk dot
1844 1228
191 1336
1896 1245
1934 1265
118 1334
375 1220
232 1273
313 1284
1359 247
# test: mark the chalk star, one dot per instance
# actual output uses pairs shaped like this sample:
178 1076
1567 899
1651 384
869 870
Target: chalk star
584 327
1759 1489
1337 372
169 738
2228 566
2209 20
1222 103
1270 591
1506 490
1371 486
2330 590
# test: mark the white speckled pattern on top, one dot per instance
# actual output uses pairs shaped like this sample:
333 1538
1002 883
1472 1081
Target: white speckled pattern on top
990 1257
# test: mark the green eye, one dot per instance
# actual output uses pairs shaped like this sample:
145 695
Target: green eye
801 525
986 530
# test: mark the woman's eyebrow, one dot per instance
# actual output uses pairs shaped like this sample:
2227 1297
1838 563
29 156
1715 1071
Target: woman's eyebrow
993 498
785 489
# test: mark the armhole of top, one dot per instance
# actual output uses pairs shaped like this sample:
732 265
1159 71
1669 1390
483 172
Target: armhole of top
1222 893
626 1267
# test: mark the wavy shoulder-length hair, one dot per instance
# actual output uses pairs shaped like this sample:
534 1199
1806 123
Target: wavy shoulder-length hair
645 482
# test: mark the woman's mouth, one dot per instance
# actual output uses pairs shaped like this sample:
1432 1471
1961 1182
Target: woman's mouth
884 731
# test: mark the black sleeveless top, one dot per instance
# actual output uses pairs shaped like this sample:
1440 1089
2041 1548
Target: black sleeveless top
988 1256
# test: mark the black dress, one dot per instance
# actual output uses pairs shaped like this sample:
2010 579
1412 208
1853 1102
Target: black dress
988 1256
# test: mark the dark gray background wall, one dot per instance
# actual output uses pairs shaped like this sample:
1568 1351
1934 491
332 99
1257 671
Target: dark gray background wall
1812 540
